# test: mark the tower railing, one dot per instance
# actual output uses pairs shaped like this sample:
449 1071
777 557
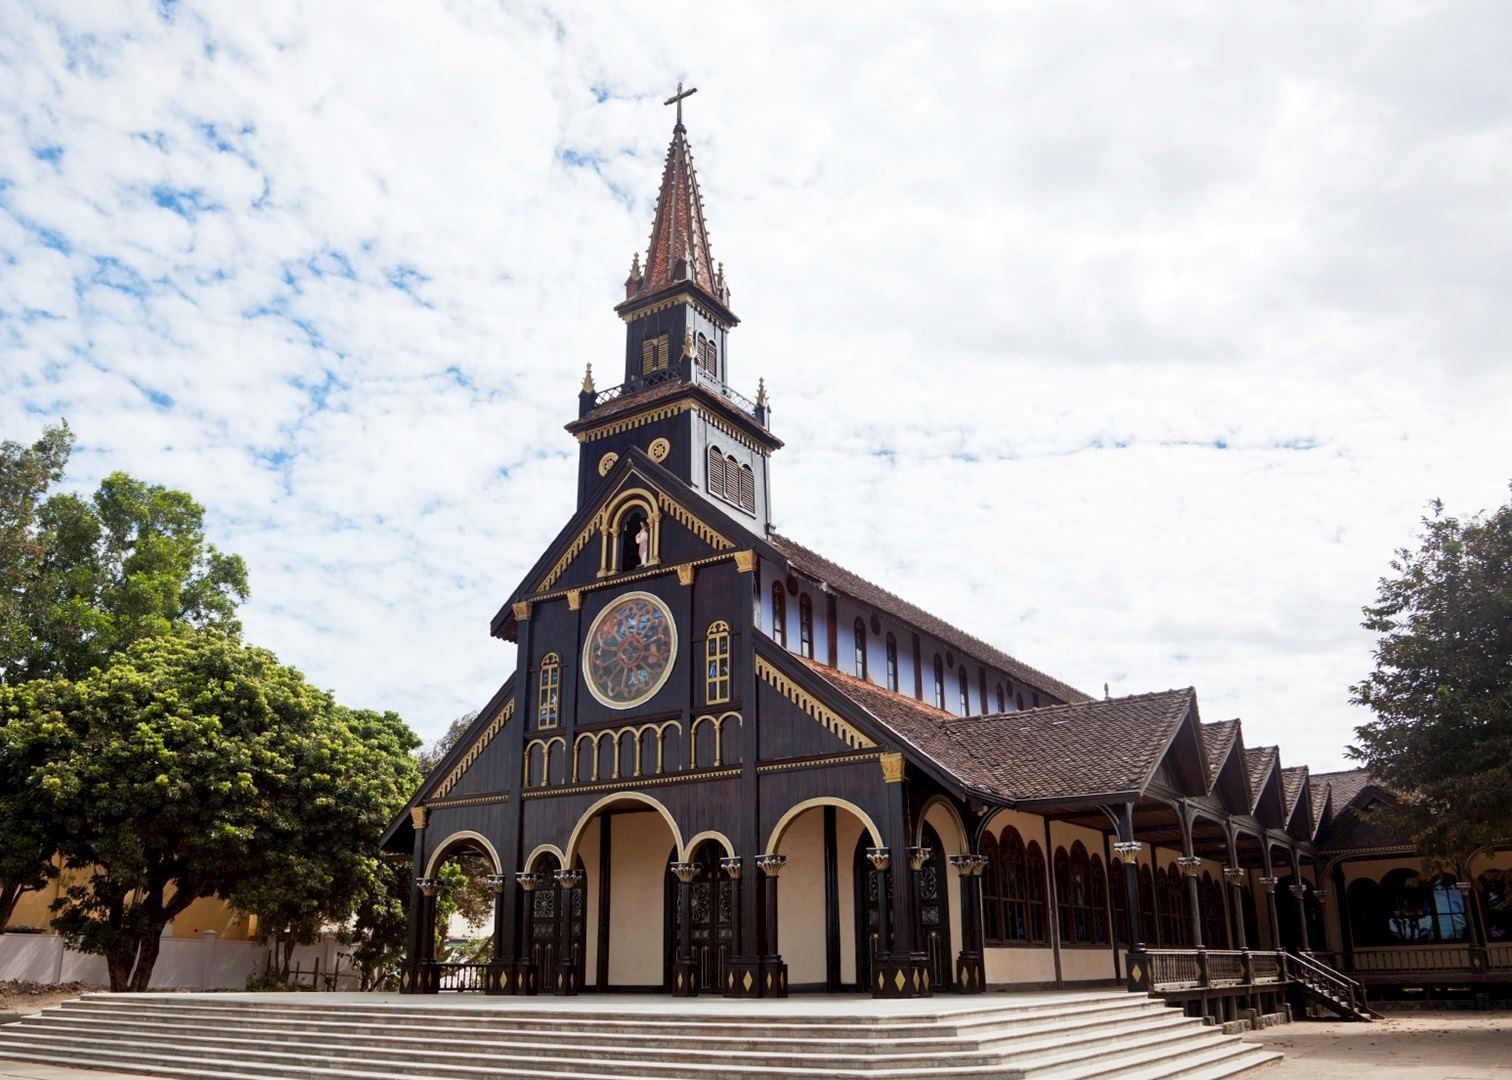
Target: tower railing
701 377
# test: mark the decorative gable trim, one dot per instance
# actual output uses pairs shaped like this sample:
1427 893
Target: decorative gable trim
572 552
697 526
474 751
629 423
831 721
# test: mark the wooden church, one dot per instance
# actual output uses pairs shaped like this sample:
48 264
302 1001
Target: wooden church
727 765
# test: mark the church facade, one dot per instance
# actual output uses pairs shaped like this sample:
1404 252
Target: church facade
727 765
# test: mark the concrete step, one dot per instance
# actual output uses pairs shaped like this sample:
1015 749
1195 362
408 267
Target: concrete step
1147 1062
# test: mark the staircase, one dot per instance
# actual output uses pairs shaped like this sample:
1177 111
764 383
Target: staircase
1318 984
1067 1036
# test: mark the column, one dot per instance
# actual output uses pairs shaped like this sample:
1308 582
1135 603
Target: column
971 976
1299 894
684 969
568 978
526 979
1190 865
496 979
409 981
427 978
1233 874
1477 950
1268 884
736 972
905 970
774 973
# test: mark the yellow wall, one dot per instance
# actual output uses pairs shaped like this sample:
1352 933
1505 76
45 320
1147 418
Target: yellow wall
1081 963
800 898
1016 963
848 830
944 823
207 913
639 845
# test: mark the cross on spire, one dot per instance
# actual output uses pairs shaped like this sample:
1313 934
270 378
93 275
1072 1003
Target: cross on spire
677 99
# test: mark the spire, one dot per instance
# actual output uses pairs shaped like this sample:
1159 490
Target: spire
679 249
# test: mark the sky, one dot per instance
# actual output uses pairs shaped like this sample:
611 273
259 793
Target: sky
1131 338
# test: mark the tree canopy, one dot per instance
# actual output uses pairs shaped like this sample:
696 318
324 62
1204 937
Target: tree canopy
192 765
1441 690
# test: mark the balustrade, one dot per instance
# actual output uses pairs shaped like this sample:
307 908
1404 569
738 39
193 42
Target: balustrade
1225 967
461 977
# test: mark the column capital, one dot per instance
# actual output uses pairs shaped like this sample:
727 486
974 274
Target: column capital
771 865
528 881
685 871
918 857
1127 850
419 816
879 857
733 865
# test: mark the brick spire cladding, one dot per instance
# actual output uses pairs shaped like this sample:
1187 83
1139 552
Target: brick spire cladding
679 250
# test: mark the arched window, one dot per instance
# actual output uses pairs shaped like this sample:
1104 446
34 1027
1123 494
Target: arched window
939 682
1411 910
1214 924
1496 901
1034 890
1034 697
1015 887
1019 701
1065 908
1118 892
779 614
630 540
1174 910
654 354
745 489
708 355
992 892
717 663
965 690
549 691
806 626
892 663
1002 702
718 478
1097 901
860 642
1149 925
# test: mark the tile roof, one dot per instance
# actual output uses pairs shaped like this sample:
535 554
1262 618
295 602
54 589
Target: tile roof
1259 760
1346 786
1058 751
1319 791
854 585
1217 741
668 388
1293 783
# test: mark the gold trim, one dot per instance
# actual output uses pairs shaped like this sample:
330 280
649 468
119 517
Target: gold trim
892 767
818 763
632 782
522 610
571 553
745 561
617 581
685 518
685 573
659 450
590 637
419 816
831 721
739 436
472 800
574 599
494 727
673 301
635 420
607 462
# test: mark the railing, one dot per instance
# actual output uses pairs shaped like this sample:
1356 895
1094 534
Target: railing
642 382
1499 956
1225 967
1174 968
1265 967
1413 958
461 977
701 377
714 383
1325 980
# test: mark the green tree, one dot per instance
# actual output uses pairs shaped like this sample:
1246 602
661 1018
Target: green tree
1441 690
428 757
378 934
190 766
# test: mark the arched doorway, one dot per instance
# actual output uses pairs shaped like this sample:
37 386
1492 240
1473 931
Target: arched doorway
872 938
934 911
554 920
711 935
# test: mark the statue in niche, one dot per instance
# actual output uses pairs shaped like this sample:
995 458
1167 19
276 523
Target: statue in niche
635 542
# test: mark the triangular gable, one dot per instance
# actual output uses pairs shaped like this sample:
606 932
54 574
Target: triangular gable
1270 801
1294 786
1231 780
1182 764
573 557
451 776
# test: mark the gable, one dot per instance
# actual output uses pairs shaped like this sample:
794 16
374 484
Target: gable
796 723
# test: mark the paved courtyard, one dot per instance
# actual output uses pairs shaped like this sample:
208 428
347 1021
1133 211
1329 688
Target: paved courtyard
1405 1046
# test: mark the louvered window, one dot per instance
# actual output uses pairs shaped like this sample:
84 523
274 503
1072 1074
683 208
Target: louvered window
654 354
717 471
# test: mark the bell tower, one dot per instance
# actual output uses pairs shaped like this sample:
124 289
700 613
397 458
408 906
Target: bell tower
675 402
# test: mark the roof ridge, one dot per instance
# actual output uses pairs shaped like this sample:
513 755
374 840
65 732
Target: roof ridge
1091 702
1050 681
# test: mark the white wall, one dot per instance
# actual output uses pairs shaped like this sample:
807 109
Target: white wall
184 963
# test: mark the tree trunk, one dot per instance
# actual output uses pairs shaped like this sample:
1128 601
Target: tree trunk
10 894
147 954
118 964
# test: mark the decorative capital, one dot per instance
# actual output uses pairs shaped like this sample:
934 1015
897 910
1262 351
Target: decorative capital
685 573
419 816
588 387
528 881
1299 891
892 767
879 857
980 864
521 610
1320 895
1269 883
495 883
574 599
1464 887
771 865
918 857
965 865
1128 850
745 561
428 885
1190 865
1234 874
568 879
732 865
686 871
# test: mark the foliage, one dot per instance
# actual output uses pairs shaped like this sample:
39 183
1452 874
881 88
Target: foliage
431 756
1441 690
464 893
191 765
377 935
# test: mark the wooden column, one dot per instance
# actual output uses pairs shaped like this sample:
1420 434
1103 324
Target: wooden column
409 982
684 968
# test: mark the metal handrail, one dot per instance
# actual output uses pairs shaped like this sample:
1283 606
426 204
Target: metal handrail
1311 973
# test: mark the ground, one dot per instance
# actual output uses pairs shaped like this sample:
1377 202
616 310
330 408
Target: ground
1436 1045
25 997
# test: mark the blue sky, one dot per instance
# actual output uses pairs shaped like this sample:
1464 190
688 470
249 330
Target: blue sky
1133 340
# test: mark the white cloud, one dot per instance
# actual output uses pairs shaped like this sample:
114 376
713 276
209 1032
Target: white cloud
1131 339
